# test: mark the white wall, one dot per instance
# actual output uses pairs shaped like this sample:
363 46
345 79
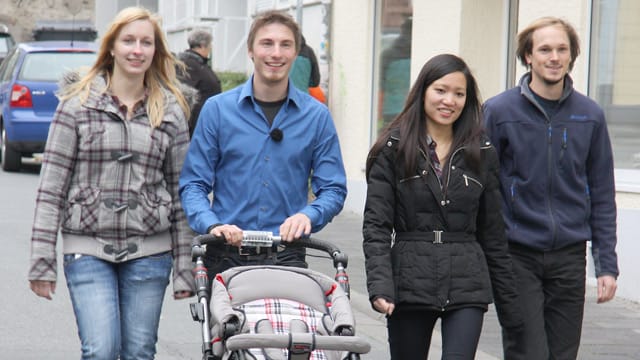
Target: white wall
351 89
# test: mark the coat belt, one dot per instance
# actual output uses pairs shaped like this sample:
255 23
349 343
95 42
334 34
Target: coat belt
436 236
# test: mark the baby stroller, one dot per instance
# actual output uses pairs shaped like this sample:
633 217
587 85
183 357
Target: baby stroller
275 312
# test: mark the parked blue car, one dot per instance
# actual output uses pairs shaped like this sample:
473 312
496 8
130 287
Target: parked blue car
29 78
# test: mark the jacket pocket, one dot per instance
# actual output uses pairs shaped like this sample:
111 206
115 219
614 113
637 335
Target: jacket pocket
414 272
470 282
83 210
153 214
471 181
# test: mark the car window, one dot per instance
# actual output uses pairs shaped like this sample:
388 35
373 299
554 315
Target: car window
49 66
4 44
6 70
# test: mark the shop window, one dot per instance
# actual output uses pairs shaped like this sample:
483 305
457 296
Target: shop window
392 58
615 75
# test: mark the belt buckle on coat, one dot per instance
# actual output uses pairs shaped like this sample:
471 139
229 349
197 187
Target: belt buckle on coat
437 236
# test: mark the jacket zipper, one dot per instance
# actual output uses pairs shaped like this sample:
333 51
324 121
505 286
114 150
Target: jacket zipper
564 145
468 178
431 166
550 179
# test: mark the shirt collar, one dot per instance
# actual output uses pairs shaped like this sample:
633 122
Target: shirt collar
294 96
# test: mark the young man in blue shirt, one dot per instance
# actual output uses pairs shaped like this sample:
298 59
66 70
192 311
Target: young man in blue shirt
556 170
256 147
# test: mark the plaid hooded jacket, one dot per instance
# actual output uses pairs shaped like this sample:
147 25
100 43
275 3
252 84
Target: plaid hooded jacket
110 185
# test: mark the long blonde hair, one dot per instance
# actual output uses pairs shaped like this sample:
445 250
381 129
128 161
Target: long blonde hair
161 73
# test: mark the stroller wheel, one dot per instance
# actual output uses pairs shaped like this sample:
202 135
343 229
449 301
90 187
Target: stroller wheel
230 329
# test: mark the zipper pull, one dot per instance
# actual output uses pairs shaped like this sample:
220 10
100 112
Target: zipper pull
466 180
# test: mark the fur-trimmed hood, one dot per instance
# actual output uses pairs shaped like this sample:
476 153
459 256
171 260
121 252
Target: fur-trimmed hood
190 94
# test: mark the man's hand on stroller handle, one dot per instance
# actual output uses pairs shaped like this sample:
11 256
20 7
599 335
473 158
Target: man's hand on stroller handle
231 233
293 228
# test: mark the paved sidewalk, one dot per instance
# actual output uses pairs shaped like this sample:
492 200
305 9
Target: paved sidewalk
611 331
33 326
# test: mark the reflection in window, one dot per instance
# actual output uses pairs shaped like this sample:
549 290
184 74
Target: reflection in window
394 59
615 74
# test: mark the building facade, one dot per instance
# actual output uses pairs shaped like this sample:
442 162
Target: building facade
371 50
483 33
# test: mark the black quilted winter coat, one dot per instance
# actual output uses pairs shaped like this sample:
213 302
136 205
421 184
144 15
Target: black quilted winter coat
434 249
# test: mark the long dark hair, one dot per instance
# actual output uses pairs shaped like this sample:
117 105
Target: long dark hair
412 120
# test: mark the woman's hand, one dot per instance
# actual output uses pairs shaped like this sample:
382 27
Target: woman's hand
43 288
182 294
383 306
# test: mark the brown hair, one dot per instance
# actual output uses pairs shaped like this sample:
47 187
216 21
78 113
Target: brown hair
161 73
525 38
274 17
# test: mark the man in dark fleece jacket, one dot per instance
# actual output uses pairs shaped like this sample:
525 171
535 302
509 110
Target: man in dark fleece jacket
558 190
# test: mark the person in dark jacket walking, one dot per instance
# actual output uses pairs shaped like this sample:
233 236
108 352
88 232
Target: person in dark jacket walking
305 72
434 240
558 189
198 74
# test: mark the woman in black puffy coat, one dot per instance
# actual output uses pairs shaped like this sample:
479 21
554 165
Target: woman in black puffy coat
434 239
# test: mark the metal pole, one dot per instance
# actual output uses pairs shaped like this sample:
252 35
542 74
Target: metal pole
299 13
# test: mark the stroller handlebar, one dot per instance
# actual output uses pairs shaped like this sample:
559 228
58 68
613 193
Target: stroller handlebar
297 341
266 239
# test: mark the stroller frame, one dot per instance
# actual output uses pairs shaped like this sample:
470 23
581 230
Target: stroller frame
265 241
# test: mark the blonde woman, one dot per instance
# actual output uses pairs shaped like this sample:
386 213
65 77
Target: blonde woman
109 185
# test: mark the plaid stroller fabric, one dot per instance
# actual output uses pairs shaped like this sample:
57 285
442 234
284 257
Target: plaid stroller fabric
280 313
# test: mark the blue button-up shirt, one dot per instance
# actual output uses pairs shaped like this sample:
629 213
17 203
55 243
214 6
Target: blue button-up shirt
258 182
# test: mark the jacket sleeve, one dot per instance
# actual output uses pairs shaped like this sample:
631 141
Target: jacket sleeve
377 227
492 238
55 176
328 179
181 233
603 206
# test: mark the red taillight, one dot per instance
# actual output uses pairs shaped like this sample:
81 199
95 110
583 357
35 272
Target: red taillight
20 97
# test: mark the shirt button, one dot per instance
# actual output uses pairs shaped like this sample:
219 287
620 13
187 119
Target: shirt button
263 208
266 158
442 203
453 167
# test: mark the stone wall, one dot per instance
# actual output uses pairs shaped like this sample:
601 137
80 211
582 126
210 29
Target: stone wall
20 16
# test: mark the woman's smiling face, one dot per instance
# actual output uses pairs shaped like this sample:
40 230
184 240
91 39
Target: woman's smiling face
134 48
445 99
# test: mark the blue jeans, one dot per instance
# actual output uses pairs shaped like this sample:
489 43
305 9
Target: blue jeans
117 306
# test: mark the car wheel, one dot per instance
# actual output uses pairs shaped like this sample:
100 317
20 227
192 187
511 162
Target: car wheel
11 159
